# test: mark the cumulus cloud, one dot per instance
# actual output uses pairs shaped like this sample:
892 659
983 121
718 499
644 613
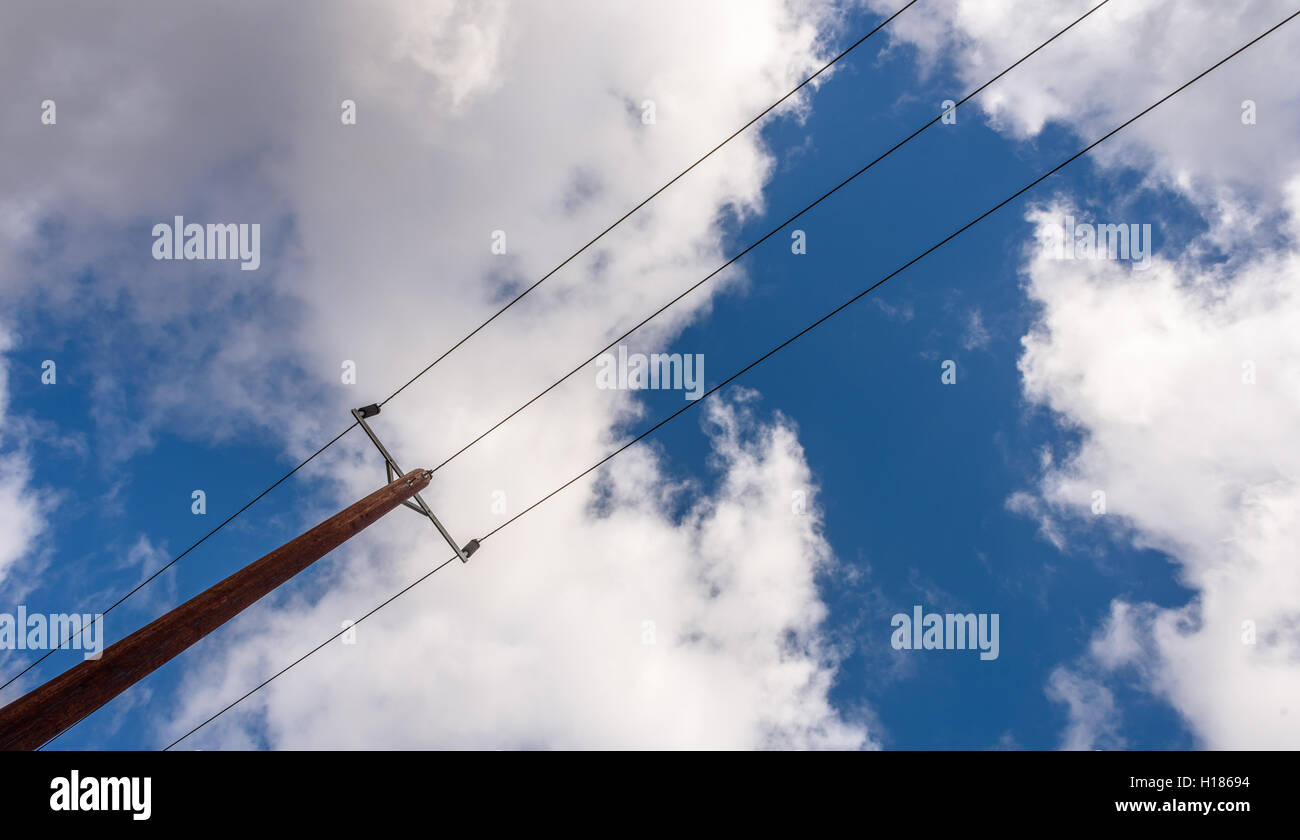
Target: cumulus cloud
1182 382
1094 718
977 335
1123 57
652 629
471 118
1186 386
22 516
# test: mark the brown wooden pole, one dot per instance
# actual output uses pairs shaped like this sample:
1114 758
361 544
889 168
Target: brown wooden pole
43 713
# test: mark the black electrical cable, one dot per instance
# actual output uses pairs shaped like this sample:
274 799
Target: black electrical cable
778 348
471 334
751 246
646 201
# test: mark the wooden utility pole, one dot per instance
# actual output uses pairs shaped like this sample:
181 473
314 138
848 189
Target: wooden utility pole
30 721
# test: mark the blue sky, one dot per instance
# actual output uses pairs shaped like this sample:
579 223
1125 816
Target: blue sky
913 477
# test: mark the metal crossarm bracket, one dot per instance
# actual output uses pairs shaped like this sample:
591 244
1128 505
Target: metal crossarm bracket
393 471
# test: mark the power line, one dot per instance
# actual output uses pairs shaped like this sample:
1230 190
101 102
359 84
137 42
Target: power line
292 664
472 333
178 557
777 349
760 241
647 200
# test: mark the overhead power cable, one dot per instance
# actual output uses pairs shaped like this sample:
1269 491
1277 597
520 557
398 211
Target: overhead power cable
850 48
648 199
751 246
1017 194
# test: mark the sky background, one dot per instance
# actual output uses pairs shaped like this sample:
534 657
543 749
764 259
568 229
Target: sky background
771 624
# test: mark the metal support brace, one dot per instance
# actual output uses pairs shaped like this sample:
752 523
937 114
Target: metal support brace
393 471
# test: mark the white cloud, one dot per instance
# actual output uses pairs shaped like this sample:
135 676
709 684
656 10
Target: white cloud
1148 367
21 506
977 335
1119 60
375 242
146 558
1094 718
1186 386
543 641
